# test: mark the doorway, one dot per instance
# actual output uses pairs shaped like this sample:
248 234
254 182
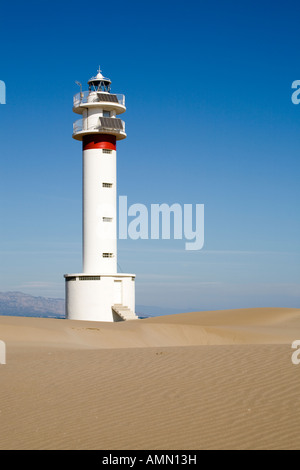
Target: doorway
118 292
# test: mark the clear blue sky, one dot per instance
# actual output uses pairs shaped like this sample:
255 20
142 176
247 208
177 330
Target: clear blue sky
209 121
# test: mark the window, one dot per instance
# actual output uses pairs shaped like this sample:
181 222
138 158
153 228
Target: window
106 151
107 255
106 113
89 278
107 219
107 185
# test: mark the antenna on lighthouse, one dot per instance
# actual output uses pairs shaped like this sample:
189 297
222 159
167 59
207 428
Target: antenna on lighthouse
80 85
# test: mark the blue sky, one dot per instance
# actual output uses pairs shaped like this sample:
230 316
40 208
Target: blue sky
209 121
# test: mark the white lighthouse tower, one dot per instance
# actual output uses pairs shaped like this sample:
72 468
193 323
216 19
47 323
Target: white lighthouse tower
99 293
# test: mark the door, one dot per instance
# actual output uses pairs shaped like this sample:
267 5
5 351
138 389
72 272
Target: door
118 292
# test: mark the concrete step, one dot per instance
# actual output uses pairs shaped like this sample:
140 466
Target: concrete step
124 312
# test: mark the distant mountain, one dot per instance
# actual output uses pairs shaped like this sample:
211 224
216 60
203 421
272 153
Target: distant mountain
19 304
24 305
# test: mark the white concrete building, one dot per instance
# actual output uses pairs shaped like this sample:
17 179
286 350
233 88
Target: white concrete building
99 293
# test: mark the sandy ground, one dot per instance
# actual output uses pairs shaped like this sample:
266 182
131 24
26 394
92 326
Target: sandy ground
201 380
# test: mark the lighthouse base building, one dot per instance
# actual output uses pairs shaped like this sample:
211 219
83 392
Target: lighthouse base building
102 297
99 293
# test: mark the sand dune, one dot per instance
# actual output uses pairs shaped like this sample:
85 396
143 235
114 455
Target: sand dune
247 326
201 380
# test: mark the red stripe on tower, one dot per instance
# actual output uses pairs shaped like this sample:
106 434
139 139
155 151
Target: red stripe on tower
99 141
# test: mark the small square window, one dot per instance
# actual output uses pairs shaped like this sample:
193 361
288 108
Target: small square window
106 113
107 185
106 151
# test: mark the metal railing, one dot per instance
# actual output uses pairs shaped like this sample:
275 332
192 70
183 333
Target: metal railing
78 127
85 97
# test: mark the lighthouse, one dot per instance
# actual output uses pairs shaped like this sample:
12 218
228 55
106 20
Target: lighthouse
99 293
